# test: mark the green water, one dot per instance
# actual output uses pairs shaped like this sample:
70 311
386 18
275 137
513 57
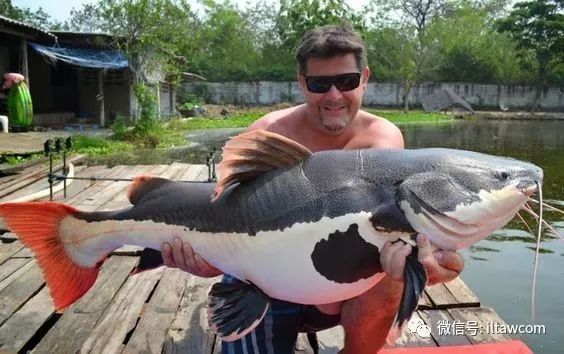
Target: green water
498 269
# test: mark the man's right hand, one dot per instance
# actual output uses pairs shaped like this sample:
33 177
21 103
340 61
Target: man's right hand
181 255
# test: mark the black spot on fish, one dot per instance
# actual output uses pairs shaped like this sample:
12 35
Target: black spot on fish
345 257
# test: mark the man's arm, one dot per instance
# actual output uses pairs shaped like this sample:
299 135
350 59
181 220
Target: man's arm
367 319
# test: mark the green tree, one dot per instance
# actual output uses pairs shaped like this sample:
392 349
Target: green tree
411 19
38 18
538 28
225 44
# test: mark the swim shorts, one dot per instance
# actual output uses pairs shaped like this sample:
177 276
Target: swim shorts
278 331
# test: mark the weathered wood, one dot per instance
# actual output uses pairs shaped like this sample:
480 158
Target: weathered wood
23 253
23 325
410 338
152 329
78 186
25 181
442 331
440 296
121 316
92 191
17 272
189 332
424 302
75 325
462 293
7 250
11 266
484 319
16 293
111 190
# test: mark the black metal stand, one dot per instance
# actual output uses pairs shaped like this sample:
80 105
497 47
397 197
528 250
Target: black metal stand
52 147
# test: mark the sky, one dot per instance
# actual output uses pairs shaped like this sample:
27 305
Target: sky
60 9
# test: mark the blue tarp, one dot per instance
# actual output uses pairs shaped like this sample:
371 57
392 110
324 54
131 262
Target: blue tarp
87 57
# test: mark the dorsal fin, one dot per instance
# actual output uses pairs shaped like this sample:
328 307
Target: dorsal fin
141 185
251 154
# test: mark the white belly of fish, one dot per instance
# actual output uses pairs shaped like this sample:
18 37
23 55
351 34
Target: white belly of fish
278 262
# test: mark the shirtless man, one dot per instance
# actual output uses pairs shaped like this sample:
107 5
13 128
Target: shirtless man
333 75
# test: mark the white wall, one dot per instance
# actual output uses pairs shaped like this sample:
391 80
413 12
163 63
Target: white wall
380 94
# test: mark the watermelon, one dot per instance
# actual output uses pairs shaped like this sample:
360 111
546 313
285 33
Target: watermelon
20 108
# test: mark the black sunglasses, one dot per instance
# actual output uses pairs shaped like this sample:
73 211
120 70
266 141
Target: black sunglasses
322 84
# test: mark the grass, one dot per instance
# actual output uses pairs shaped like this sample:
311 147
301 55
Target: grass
242 120
173 133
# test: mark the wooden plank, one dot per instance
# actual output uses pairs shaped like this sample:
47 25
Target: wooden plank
39 185
78 186
151 332
189 332
25 181
23 253
121 316
75 325
462 293
440 296
424 302
442 328
331 340
111 189
18 292
23 325
482 319
10 266
98 186
193 172
410 336
7 250
16 274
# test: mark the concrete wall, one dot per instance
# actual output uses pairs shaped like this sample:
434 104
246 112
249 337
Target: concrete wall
380 94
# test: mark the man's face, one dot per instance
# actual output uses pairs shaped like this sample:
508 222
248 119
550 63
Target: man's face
334 110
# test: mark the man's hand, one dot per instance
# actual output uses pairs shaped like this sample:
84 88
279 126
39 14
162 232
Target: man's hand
181 255
442 266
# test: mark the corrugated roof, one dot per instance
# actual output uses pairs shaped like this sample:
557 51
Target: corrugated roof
26 26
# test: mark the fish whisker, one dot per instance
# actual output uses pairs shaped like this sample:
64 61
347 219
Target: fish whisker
537 251
544 222
551 207
527 225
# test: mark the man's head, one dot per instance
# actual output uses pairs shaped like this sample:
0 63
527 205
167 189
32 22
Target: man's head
330 41
333 73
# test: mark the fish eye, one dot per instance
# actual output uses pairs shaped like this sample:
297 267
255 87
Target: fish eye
502 175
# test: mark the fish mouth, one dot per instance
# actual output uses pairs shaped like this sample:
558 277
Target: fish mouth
529 189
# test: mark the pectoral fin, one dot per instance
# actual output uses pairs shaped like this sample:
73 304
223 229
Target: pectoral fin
234 310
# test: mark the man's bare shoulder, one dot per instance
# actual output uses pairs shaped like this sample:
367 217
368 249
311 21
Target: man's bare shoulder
376 131
272 120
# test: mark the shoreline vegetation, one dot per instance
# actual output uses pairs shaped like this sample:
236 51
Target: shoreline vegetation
172 133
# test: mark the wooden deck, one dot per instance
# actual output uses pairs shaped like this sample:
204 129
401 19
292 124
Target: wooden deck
162 310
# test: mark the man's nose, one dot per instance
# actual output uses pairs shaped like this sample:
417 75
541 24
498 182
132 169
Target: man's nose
333 93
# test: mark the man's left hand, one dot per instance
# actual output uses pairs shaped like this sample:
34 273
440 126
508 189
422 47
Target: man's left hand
441 266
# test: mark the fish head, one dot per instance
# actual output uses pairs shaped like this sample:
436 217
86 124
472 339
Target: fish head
458 197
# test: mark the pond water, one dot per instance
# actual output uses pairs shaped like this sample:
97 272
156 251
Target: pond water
498 269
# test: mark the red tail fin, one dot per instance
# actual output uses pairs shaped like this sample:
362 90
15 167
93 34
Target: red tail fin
37 226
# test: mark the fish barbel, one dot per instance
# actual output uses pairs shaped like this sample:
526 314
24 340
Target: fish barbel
290 224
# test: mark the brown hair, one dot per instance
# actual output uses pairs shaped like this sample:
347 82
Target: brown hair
329 41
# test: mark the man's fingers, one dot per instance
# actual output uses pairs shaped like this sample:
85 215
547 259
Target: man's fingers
189 259
450 260
177 253
167 255
424 246
387 254
205 269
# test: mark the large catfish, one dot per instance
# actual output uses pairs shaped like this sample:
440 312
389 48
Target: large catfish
291 225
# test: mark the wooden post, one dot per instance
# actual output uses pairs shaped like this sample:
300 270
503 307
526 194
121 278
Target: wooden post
159 100
23 64
101 98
